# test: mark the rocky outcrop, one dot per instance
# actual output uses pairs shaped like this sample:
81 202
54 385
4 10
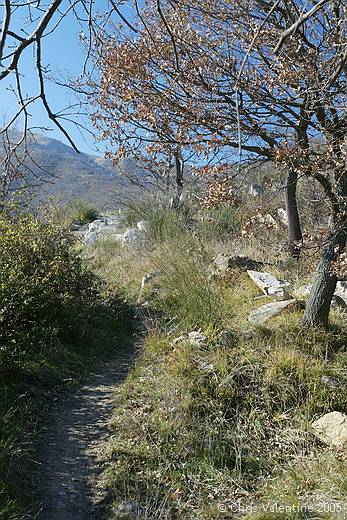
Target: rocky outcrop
270 285
331 429
105 227
272 309
222 264
102 227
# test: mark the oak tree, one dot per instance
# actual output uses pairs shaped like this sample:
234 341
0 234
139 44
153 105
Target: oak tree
249 79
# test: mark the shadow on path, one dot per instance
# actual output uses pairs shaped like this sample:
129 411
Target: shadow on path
72 449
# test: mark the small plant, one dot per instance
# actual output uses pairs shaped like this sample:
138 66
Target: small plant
79 211
166 224
222 222
186 292
134 212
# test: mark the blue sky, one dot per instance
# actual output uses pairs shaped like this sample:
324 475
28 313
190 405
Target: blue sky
63 53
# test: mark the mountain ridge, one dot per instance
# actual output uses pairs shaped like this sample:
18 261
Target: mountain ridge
63 174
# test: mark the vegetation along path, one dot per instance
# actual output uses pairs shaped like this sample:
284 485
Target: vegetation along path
73 448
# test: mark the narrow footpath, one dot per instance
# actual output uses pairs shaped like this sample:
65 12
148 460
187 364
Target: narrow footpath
73 449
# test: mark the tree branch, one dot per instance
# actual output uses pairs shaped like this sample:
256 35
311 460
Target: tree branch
302 19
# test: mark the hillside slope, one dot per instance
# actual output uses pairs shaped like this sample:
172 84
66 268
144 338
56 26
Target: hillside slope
68 175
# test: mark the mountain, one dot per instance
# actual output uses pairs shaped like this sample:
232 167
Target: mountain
58 172
63 174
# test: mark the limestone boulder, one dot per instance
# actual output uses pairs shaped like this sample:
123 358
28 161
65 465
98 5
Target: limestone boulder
331 429
341 290
273 309
101 228
223 263
269 284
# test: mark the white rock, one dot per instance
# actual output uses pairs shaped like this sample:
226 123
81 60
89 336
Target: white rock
330 382
303 291
341 290
331 429
272 309
142 225
282 214
132 237
102 227
196 338
204 365
269 284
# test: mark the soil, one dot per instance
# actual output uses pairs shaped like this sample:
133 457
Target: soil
75 447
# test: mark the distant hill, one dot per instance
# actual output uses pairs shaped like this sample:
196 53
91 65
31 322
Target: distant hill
66 175
59 173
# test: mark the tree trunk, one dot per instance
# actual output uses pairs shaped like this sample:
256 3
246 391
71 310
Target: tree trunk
318 305
294 225
176 199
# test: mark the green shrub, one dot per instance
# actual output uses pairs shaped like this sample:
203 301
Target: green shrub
56 322
166 224
78 211
163 223
224 221
45 292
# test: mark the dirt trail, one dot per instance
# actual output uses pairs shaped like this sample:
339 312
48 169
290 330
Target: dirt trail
74 446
